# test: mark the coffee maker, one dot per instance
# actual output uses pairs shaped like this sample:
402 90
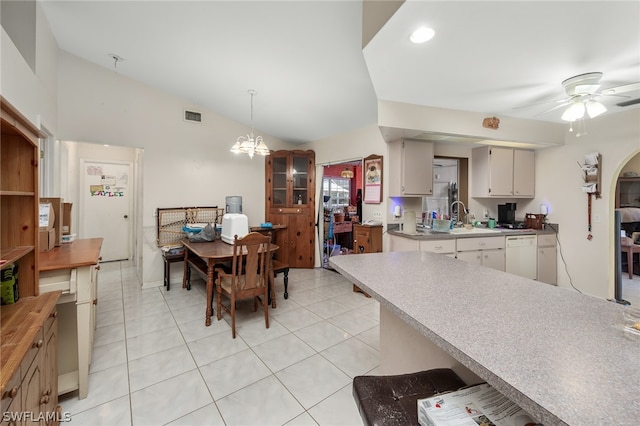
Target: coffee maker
507 215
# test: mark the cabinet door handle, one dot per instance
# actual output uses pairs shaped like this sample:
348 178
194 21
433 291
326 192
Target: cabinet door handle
13 392
54 314
38 344
44 399
97 267
95 301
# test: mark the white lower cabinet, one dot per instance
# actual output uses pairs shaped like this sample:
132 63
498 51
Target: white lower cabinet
76 323
397 243
547 268
486 251
446 247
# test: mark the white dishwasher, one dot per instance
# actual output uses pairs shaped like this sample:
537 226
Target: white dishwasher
521 255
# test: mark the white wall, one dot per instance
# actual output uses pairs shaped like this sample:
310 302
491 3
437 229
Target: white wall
558 181
32 93
185 163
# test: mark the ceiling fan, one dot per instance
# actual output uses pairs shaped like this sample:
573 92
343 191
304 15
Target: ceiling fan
583 96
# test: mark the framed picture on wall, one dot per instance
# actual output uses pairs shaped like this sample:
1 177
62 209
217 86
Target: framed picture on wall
372 176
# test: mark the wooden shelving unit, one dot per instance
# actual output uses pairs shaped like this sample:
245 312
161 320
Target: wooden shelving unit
19 196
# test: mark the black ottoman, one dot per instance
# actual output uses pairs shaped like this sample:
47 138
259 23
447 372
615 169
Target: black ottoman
393 400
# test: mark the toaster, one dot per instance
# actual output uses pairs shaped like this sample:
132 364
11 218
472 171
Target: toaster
234 224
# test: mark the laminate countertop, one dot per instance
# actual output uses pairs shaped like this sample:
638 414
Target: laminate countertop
427 234
557 353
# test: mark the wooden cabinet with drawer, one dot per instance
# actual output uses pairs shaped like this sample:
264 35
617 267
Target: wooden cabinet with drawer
366 239
290 201
29 361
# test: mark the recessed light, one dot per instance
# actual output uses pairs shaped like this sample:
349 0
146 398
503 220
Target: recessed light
422 34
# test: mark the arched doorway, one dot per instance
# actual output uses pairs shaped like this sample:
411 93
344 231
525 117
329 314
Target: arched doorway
627 202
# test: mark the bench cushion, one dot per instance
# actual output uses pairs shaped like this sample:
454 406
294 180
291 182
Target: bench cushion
392 400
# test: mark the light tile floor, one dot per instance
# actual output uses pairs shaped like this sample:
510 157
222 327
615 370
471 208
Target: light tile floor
155 363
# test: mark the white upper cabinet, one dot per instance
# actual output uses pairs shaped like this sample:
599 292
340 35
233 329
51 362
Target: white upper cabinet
502 172
410 168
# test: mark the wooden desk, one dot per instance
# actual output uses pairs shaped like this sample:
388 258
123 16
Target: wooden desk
630 249
73 269
204 257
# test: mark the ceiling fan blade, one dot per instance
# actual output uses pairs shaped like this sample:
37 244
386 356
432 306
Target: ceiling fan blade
629 103
622 89
556 101
565 103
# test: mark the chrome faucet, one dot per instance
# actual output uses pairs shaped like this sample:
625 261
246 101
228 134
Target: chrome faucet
464 210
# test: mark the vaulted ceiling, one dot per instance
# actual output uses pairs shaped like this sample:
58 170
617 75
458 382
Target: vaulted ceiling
313 78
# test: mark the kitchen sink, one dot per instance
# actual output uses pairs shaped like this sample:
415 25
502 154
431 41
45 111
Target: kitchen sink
473 231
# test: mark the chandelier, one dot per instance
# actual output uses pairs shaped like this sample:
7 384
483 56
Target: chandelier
346 173
250 144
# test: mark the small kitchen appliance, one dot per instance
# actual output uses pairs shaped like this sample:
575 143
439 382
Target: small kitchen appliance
507 215
234 224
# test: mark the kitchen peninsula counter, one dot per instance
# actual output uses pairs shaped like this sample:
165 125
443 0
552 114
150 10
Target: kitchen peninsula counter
555 352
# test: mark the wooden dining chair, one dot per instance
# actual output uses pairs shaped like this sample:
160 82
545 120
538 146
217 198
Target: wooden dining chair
248 278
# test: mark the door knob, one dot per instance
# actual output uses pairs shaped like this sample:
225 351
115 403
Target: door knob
126 216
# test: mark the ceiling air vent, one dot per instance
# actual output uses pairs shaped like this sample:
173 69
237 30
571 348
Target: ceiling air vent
192 116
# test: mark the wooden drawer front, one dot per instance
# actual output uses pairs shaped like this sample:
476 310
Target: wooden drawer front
481 243
547 240
12 392
438 246
291 210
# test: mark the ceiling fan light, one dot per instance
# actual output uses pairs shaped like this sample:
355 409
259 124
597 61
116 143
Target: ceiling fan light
595 108
574 112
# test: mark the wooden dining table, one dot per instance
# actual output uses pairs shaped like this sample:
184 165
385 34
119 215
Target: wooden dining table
204 256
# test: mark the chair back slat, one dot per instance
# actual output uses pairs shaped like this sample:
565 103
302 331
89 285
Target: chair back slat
249 265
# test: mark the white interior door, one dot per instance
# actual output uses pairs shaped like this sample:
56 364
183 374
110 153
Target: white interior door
106 206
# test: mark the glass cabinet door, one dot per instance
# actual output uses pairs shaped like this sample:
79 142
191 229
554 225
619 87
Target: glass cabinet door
300 172
279 176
